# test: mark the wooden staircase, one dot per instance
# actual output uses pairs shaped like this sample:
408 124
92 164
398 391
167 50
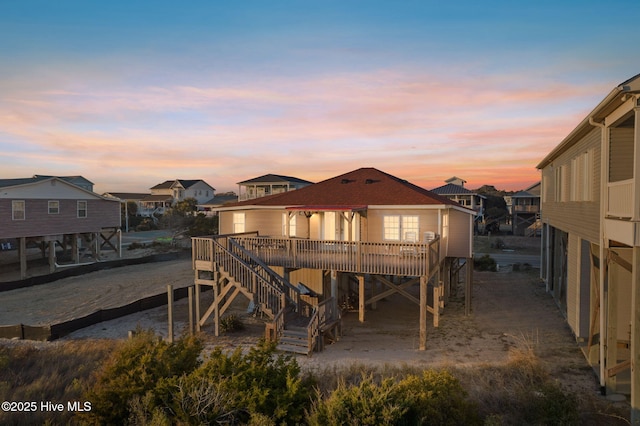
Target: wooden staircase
278 299
294 339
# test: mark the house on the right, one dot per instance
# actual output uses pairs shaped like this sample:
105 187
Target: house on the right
591 237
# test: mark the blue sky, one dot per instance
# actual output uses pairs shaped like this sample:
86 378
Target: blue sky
129 94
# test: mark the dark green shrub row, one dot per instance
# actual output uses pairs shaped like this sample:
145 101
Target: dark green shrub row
434 398
148 381
485 263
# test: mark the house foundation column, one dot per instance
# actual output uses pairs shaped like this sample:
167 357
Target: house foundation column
468 285
197 300
361 296
334 284
423 313
611 357
52 256
22 253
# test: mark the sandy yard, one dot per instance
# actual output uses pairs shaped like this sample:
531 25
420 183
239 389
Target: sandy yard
509 310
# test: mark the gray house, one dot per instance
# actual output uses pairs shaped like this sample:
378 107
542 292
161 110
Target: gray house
50 210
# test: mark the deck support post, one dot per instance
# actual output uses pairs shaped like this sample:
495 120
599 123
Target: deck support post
468 284
197 303
170 313
423 313
611 339
190 296
22 253
334 284
635 337
216 302
361 297
52 256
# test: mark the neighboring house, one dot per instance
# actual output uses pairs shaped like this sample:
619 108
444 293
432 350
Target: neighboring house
50 210
76 180
167 193
352 240
210 208
129 197
525 211
125 199
455 190
591 236
269 185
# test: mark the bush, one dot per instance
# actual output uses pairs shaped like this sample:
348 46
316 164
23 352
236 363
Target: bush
231 323
258 382
363 404
135 370
485 263
436 398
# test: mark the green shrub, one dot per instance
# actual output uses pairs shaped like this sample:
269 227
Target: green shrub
231 323
549 405
136 369
485 263
436 398
258 382
365 404
135 246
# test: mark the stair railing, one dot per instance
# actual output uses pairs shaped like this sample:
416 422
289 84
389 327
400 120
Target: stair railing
266 293
292 292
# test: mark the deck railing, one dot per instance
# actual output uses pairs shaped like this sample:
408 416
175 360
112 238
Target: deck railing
620 199
384 258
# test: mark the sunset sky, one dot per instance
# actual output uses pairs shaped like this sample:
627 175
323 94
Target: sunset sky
130 93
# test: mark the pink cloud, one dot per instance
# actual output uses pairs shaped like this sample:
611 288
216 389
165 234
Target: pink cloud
418 126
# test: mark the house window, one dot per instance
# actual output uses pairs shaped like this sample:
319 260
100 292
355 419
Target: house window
82 209
54 207
561 181
582 177
18 210
238 222
391 228
292 224
396 226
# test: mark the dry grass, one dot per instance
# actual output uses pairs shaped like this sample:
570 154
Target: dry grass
56 372
61 371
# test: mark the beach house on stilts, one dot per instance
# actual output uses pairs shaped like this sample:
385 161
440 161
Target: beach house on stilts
351 240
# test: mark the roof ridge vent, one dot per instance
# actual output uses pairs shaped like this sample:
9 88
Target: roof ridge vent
344 181
368 181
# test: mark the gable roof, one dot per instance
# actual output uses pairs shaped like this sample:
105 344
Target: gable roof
271 178
127 195
38 179
613 100
185 183
452 189
531 192
361 188
20 181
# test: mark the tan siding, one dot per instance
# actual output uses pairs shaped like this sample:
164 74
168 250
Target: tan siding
225 223
579 217
573 280
312 278
460 234
620 154
428 220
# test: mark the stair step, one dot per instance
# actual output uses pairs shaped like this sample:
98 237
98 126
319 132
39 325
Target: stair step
296 333
293 340
293 348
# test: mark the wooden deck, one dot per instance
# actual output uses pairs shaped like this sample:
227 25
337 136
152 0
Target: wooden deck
381 258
